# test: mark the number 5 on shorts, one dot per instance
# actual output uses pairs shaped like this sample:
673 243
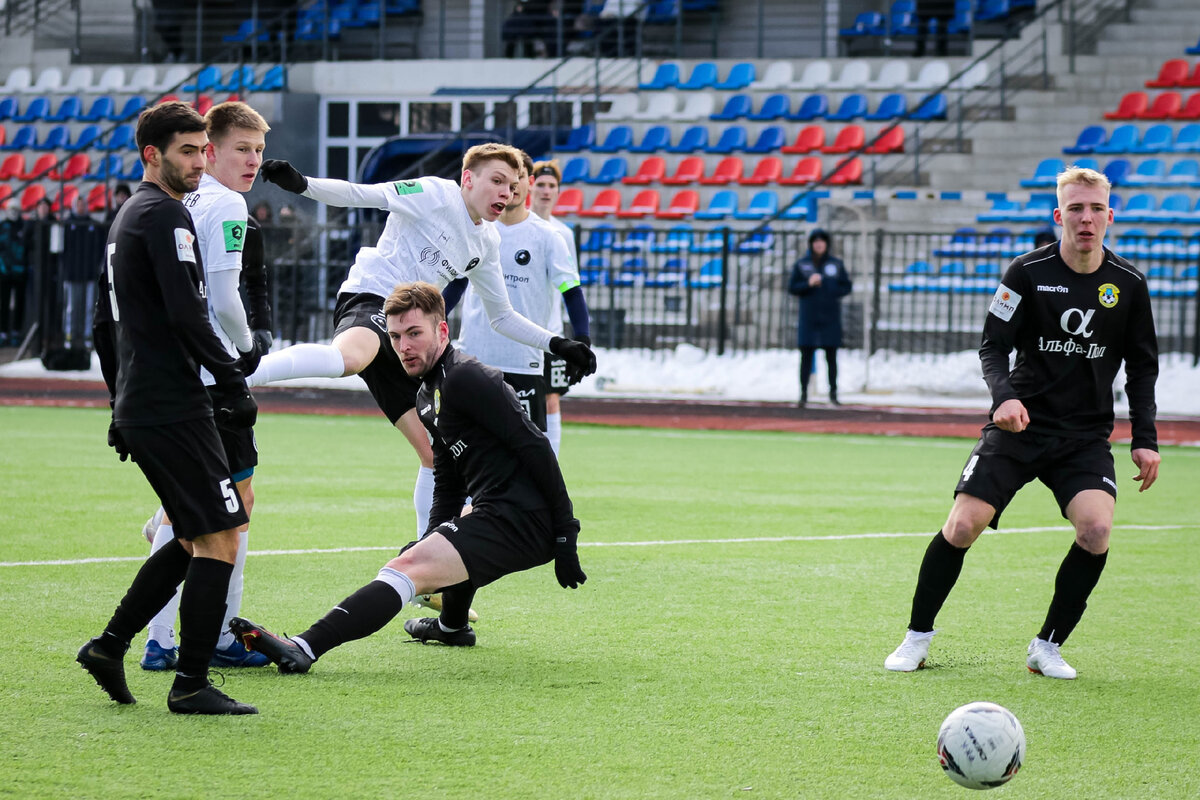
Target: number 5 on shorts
969 469
230 494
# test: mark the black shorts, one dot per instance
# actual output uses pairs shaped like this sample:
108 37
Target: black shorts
394 392
495 540
241 450
555 374
531 394
185 465
1003 462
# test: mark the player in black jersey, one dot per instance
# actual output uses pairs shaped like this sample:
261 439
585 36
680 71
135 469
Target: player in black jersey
484 446
1073 311
152 335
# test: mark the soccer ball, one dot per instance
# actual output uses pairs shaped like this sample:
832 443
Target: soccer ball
981 745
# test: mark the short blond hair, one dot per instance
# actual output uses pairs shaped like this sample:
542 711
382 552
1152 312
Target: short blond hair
1081 175
418 294
478 155
550 167
225 117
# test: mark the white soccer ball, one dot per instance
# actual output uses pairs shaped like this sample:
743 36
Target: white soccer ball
981 745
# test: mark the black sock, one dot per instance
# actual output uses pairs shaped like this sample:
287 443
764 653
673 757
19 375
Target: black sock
939 571
1077 576
152 587
358 616
456 605
201 612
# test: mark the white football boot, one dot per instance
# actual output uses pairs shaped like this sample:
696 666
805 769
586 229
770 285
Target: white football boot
912 652
1044 659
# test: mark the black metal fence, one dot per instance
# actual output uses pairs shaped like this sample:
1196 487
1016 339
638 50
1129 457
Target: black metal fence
720 289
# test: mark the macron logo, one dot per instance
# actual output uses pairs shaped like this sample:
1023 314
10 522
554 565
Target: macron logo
1058 289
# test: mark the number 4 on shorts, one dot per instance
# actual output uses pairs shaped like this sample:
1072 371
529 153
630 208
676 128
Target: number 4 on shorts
969 469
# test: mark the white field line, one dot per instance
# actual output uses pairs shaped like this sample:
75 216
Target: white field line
658 543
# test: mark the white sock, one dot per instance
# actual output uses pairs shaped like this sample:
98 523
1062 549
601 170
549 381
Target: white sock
233 599
554 430
423 499
398 581
299 361
162 626
303 645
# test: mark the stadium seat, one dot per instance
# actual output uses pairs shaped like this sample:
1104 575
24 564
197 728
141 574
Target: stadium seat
621 107
202 104
97 198
49 81
273 80
631 272
133 172
1123 139
600 239
1174 72
816 75
704 76
660 106
852 107
993 10
672 273
770 139
1194 50
576 169
207 79
64 198
1189 111
8 107
850 172
1046 174
1117 170
665 77
807 170
33 194
728 170
12 166
891 140
1193 80
683 204
740 76
892 106
1150 172
689 170
75 167
651 170
130 110
1176 209
3 134
1130 107
1088 140
88 136
810 138
811 107
676 240
722 204
101 109
933 108
42 166
1164 106
964 17
79 81
767 170
709 276
174 77
1185 172
973 78
107 168
693 139
579 139
6 193
902 20
252 30
854 75
54 139
240 79
644 204
1188 139
24 138
866 25
569 202
620 137
933 75
143 79
611 171
1157 138
893 74
696 105
656 138
778 75
70 108
735 108
1139 208
848 139
35 111
18 80
608 201
762 205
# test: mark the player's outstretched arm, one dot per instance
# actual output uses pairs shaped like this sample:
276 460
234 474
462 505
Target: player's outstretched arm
1147 462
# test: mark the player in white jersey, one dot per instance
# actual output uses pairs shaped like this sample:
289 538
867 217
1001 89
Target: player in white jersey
538 270
436 231
236 139
547 181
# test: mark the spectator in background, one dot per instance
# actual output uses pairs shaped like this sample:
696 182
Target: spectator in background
1043 238
120 194
528 30
82 254
263 213
937 13
820 281
12 276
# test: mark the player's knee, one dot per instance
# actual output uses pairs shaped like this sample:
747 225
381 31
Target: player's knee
1092 535
247 493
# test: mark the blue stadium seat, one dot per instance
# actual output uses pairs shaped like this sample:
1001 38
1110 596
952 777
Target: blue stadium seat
1187 140
993 10
732 138
36 111
736 107
56 138
709 276
25 138
579 139
852 106
1150 172
672 273
619 137
1176 209
1088 140
810 108
713 242
207 79
101 109
106 168
133 171
1140 208
8 107
1123 139
960 23
1002 210
657 137
1156 139
1117 170
866 24
892 106
70 108
88 136
704 76
677 240
249 30
599 239
763 204
1046 173
1185 172
577 169
637 240
273 80
120 138
933 108
631 273
1040 208
741 75
130 110
665 77
723 204
776 106
610 171
770 139
693 139
240 79
757 241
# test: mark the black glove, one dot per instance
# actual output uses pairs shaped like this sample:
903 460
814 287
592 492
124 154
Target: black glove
576 353
283 175
263 339
574 373
248 360
566 557
233 407
116 441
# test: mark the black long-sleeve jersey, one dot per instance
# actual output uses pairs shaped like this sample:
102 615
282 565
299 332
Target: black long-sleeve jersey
151 324
254 278
1071 332
484 446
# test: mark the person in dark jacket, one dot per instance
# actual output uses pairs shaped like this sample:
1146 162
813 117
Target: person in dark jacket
820 280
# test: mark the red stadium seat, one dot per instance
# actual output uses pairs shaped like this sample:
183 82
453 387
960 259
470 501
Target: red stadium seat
78 165
690 170
683 204
768 170
849 173
649 171
729 170
608 201
5 194
1131 105
97 198
1174 72
890 142
1193 80
645 204
41 168
810 139
807 170
32 195
569 202
1191 108
65 199
849 138
13 167
1164 106
203 104
3 134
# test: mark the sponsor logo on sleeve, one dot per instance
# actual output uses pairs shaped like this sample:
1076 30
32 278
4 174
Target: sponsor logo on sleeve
1004 303
235 235
408 187
185 245
1109 295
